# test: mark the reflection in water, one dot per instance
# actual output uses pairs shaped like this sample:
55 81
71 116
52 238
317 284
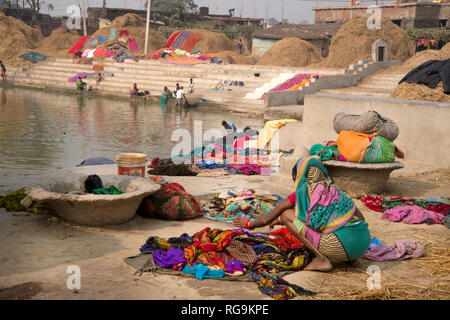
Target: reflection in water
3 95
41 131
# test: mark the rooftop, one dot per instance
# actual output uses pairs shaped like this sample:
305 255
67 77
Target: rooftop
301 31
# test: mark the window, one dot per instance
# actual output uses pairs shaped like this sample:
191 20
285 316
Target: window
442 23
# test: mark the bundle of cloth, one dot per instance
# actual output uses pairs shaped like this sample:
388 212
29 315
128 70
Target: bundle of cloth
401 250
170 202
366 138
410 210
236 253
230 204
430 73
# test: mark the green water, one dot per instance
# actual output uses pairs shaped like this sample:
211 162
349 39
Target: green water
42 131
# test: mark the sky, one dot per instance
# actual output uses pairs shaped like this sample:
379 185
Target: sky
295 11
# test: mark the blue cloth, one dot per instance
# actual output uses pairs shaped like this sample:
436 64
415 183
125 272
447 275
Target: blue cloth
374 243
95 162
203 272
101 39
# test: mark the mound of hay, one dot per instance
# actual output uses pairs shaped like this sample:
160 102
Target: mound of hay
290 52
16 37
419 58
213 42
412 91
135 26
354 40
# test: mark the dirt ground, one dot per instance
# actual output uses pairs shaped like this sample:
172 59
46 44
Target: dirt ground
37 250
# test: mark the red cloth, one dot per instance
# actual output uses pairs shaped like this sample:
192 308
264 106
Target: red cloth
373 202
292 198
190 42
123 32
172 39
285 240
78 45
100 52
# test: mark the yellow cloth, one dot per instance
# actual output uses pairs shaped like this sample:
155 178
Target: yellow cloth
269 130
352 145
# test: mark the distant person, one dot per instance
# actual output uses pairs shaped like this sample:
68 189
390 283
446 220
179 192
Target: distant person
166 95
80 85
3 71
99 78
231 11
177 87
240 46
229 126
191 86
134 91
180 96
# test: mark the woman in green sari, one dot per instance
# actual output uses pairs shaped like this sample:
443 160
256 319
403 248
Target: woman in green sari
320 215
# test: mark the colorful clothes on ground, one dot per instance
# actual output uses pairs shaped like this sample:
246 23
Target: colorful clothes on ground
168 258
322 208
231 204
381 204
413 215
171 202
216 253
276 287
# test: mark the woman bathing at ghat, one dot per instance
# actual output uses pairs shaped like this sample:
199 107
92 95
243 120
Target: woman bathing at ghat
320 215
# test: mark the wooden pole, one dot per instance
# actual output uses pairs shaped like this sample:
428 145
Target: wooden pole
84 17
147 26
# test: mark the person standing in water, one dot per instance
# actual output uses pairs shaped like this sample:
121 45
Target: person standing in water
3 71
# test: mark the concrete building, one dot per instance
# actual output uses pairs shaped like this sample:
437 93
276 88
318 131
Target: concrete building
423 14
316 34
96 13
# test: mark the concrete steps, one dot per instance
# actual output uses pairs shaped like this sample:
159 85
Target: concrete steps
154 76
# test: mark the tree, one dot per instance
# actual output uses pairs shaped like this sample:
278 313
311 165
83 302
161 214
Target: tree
272 21
177 10
35 6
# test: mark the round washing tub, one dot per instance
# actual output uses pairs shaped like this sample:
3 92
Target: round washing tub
59 194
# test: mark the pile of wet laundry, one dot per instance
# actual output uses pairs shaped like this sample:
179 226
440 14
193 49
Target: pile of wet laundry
230 204
229 254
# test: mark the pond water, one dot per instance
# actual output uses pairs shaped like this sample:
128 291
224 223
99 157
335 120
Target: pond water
42 131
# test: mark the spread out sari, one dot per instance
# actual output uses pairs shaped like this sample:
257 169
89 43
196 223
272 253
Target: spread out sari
325 214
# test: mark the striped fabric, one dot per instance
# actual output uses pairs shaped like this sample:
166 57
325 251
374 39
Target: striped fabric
332 247
315 176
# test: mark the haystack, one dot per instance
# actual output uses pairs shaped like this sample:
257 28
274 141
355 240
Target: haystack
16 36
354 40
213 42
290 52
413 91
135 26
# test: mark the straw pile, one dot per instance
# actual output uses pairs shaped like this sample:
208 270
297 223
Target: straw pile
231 57
354 40
352 284
213 42
290 52
420 58
136 29
413 91
16 37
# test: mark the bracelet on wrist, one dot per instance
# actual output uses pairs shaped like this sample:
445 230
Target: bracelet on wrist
247 225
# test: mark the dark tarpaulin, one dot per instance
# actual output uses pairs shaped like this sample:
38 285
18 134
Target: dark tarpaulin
430 73
33 57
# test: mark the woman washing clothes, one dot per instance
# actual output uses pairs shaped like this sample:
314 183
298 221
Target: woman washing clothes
320 215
